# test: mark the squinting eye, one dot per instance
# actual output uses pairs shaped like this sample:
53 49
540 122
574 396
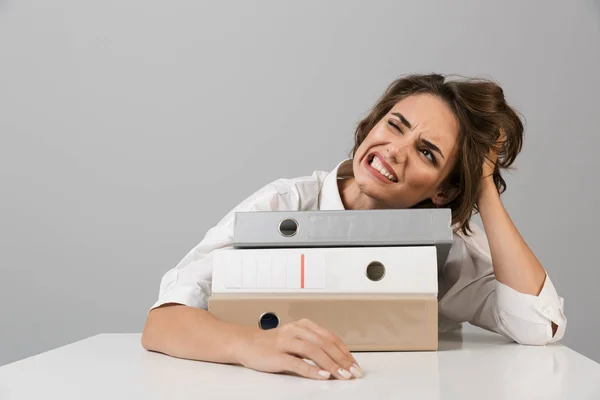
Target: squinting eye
429 155
393 125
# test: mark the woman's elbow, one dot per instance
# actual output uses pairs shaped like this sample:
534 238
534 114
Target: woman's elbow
533 334
532 339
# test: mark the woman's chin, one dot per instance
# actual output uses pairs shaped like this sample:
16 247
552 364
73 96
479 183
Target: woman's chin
374 192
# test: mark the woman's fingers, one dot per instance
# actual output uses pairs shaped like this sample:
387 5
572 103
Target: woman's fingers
302 368
334 346
303 348
306 349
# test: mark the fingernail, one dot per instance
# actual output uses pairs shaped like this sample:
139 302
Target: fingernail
345 374
356 371
324 374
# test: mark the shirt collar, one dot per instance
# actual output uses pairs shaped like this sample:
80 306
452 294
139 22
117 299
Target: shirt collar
329 196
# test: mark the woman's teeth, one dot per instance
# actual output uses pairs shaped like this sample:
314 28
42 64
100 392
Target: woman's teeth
379 167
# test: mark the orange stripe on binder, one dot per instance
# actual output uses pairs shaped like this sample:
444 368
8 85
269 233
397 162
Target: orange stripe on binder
302 271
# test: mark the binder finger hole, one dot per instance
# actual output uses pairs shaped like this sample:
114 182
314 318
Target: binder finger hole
288 227
375 271
268 320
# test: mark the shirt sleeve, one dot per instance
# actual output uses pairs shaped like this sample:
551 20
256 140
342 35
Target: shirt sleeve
190 281
469 292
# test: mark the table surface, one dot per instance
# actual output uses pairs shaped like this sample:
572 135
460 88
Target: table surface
470 364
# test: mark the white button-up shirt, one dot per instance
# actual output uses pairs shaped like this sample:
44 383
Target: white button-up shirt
468 289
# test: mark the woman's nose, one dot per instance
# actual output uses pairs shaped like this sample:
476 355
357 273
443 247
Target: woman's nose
397 153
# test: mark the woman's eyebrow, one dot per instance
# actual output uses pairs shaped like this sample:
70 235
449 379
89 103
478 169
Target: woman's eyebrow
402 119
432 147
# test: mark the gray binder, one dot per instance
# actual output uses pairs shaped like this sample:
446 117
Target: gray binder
346 228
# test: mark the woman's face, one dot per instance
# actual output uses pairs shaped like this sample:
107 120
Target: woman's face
407 155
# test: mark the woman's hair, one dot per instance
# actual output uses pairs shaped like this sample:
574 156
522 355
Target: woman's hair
482 114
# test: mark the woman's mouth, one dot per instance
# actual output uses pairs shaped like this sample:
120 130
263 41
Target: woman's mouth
378 168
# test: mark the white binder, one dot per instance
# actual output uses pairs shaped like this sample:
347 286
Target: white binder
339 270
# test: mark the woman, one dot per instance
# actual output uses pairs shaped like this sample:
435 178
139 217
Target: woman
428 142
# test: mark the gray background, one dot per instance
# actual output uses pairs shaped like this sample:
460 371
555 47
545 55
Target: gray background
130 127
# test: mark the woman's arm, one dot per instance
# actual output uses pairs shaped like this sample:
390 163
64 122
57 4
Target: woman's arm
514 263
191 333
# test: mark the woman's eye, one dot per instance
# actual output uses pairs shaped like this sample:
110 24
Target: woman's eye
429 155
393 125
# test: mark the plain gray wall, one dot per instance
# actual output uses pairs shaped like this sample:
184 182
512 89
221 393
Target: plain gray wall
130 127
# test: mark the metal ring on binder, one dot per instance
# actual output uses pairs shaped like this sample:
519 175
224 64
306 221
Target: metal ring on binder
375 271
288 227
268 320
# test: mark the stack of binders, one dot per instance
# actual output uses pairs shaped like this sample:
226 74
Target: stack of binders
369 276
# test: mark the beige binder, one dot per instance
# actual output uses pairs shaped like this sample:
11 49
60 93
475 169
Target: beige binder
364 322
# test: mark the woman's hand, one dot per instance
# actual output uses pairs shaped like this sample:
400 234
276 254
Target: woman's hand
489 163
284 349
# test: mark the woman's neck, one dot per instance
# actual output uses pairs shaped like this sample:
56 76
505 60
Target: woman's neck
347 193
350 194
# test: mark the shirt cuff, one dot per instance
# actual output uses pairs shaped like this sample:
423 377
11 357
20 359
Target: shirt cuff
188 296
544 308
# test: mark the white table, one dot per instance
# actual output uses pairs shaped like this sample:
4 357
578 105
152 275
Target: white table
472 364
